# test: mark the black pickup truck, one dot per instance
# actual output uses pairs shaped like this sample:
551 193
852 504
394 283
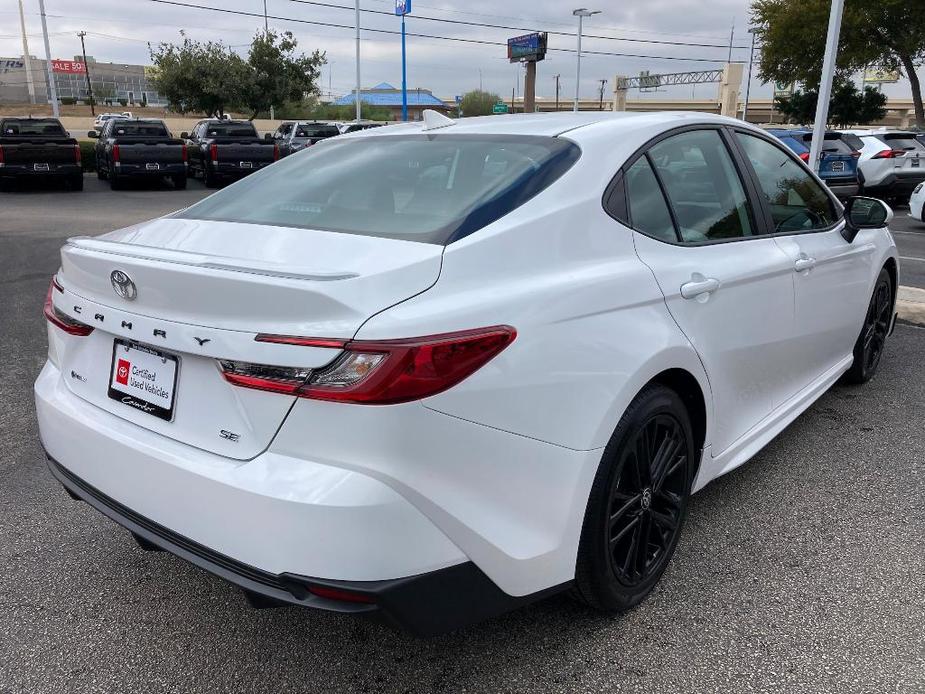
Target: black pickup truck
139 149
39 148
227 149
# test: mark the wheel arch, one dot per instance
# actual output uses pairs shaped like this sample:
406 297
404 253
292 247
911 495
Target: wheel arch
686 385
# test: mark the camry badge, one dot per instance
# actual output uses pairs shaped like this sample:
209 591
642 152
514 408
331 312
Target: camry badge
122 285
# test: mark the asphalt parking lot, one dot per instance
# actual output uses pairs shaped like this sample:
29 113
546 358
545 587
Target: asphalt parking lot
799 572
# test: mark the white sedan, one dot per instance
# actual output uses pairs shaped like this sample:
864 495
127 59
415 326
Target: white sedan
917 203
434 371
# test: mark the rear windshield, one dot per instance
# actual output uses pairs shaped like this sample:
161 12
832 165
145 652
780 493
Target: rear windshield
151 129
230 130
853 141
429 188
901 140
316 131
32 127
833 143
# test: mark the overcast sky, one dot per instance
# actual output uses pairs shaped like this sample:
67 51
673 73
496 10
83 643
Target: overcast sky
119 30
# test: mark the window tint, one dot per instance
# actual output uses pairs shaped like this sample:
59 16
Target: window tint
230 130
853 141
33 127
317 131
797 201
704 189
139 129
832 143
648 209
905 141
430 188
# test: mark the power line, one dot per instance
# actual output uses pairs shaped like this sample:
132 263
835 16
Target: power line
418 17
336 25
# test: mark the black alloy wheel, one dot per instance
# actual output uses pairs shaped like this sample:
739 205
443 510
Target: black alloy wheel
638 502
870 344
646 501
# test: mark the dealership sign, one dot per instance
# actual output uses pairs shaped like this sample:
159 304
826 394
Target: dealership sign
402 7
68 66
527 47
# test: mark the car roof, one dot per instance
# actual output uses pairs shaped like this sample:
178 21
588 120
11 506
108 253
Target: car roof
554 124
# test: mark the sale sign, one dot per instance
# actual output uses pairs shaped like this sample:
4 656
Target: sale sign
69 66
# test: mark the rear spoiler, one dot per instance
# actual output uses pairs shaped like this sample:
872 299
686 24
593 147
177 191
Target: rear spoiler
206 261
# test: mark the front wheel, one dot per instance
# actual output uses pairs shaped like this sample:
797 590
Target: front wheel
868 349
638 503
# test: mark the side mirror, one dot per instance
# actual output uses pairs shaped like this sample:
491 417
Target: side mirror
92 134
184 135
865 213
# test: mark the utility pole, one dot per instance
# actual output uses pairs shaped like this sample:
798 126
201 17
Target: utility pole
356 7
266 24
748 84
26 58
83 51
52 88
581 13
732 33
600 106
557 92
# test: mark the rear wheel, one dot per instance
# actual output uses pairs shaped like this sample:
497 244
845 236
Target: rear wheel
208 177
115 183
179 181
76 182
868 349
638 503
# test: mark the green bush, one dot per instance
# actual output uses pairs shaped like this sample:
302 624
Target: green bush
123 102
88 154
67 100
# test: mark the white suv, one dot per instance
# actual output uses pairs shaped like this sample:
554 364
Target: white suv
434 371
892 163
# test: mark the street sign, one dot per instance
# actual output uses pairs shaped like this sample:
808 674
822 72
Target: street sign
458 99
499 108
529 47
402 7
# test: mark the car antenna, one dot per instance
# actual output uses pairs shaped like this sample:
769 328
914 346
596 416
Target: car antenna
434 120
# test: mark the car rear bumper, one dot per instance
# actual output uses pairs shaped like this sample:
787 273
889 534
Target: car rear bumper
28 171
140 170
843 190
276 524
896 184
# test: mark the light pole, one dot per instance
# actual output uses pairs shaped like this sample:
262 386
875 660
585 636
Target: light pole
83 51
825 84
356 7
748 84
557 92
581 13
52 87
403 7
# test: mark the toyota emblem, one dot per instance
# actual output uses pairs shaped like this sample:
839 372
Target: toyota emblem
122 285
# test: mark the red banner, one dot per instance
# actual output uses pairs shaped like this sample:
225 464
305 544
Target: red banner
68 66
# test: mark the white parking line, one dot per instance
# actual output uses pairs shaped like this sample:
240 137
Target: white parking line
911 257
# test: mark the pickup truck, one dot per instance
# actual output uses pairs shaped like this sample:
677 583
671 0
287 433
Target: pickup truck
39 148
138 149
293 136
227 149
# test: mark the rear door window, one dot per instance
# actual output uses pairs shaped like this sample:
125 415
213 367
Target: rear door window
703 187
648 209
906 141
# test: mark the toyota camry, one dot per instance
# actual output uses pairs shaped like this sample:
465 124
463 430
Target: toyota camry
434 371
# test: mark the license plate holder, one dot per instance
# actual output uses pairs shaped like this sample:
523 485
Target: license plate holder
144 378
40 167
915 163
152 166
838 166
246 164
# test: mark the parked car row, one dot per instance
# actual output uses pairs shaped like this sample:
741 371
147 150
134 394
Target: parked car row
882 163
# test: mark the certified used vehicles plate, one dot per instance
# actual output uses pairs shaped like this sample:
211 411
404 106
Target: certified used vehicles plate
40 167
245 164
152 167
144 378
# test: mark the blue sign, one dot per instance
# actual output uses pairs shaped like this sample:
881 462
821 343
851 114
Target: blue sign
402 7
458 99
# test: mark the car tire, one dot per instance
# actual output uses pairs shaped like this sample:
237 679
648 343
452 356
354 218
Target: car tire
115 183
641 489
179 181
868 348
209 178
99 170
76 182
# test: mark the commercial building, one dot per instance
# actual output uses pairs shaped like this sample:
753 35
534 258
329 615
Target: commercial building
384 94
113 82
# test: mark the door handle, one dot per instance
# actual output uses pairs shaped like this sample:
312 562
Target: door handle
804 263
699 286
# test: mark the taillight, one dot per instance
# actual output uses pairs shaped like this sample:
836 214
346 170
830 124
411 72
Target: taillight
213 152
184 154
804 156
339 594
2 162
889 154
61 320
377 372
115 154
856 154
76 154
275 151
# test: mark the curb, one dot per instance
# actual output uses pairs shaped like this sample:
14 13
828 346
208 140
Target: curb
910 304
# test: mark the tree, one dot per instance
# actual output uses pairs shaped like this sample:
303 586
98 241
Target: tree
478 103
886 33
848 105
277 74
201 77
